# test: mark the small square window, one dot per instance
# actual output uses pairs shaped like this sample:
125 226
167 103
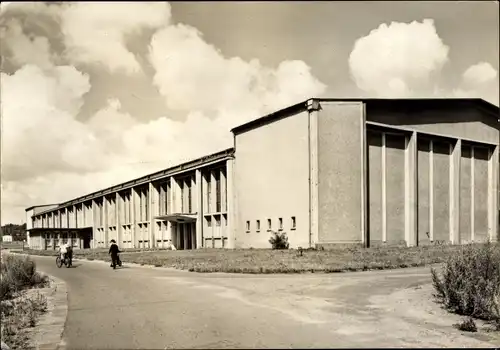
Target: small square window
248 226
280 220
258 225
294 225
269 225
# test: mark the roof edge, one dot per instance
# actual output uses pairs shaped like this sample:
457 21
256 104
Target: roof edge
41 205
271 117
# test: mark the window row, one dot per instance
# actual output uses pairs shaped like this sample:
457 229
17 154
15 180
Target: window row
293 224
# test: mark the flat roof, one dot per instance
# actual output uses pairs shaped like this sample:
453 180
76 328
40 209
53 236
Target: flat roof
189 165
59 229
478 103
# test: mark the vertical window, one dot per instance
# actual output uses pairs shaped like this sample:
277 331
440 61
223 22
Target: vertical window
115 211
125 209
101 214
164 202
164 190
217 191
294 224
225 189
258 226
161 198
269 225
209 193
140 205
129 203
248 226
209 222
190 203
181 185
167 202
280 220
146 205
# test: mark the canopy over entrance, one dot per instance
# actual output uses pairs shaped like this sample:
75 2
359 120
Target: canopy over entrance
177 217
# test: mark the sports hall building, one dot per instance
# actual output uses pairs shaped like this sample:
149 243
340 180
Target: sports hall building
325 171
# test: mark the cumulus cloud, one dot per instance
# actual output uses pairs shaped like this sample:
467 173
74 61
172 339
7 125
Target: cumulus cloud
24 49
398 59
479 80
479 73
406 60
50 154
39 129
194 75
95 32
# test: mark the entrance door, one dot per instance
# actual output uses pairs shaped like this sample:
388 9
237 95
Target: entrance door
180 239
86 239
193 235
186 236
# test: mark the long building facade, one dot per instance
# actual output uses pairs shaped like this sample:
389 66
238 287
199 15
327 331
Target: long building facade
325 171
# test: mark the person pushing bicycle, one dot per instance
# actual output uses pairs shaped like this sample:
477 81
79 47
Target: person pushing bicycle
114 250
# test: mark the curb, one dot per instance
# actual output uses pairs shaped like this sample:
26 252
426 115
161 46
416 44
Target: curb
50 327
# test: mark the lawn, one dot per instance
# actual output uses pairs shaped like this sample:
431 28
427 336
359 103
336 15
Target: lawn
279 261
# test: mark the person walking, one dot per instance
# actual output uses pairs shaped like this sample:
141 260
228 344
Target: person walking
114 250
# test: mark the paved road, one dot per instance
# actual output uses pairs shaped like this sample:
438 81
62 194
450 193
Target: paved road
137 307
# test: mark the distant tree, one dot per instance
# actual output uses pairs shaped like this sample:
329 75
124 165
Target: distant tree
18 232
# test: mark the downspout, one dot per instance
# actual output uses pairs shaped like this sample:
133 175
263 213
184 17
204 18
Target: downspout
312 106
309 174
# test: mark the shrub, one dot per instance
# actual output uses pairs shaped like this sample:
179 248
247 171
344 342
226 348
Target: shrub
467 325
279 240
19 272
470 282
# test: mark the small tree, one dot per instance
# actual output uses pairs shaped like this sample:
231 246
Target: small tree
279 240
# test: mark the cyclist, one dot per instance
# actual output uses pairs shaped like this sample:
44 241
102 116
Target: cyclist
63 250
66 250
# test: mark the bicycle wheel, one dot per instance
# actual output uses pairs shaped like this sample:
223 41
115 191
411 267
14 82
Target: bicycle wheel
59 262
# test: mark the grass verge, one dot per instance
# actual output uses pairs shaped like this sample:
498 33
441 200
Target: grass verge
280 261
21 304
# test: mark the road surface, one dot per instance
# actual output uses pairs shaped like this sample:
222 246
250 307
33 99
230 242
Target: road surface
154 308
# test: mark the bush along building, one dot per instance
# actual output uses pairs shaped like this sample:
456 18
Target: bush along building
325 171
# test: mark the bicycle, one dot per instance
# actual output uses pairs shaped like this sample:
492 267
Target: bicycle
60 262
114 263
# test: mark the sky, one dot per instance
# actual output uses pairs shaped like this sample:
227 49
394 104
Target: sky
94 94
